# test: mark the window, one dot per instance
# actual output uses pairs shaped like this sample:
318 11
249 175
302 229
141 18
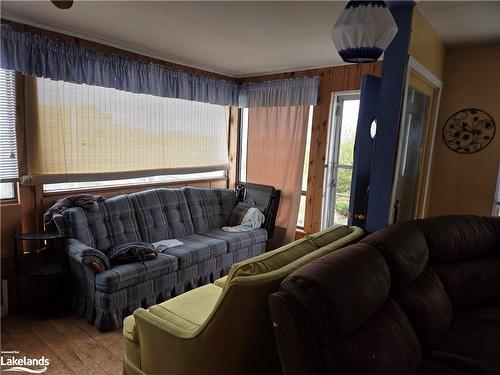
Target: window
86 133
132 181
8 143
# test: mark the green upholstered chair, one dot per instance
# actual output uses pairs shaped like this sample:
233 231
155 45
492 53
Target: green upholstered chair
225 327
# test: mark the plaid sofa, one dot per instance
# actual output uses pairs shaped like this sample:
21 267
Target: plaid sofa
194 216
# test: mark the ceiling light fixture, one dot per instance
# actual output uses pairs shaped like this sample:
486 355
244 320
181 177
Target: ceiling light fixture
363 31
62 4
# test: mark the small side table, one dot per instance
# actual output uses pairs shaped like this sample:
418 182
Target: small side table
41 272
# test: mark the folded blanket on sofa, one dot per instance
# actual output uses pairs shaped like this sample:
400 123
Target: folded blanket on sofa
253 219
87 201
165 244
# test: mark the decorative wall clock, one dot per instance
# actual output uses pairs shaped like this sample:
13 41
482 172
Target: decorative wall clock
469 130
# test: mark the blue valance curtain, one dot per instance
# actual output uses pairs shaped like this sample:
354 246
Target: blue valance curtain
31 54
286 92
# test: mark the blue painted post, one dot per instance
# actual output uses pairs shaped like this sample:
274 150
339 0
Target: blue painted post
363 150
388 121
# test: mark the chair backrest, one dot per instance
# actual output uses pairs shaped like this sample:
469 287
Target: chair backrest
162 214
150 216
243 304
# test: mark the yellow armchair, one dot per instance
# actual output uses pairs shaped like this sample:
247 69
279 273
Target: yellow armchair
220 330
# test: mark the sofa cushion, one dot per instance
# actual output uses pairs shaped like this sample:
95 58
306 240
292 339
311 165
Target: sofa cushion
487 315
456 238
473 283
433 368
404 249
471 344
330 235
113 223
210 208
428 308
238 240
162 214
193 307
195 249
124 275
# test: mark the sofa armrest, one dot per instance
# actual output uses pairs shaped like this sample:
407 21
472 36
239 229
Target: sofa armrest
185 348
221 282
86 255
131 340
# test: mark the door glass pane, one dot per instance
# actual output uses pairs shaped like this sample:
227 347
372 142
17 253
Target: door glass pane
302 212
348 120
343 196
413 134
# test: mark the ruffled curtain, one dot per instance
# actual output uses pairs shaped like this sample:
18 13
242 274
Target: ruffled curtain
35 55
280 93
39 56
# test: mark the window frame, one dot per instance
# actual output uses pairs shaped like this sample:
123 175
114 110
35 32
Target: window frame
495 211
138 185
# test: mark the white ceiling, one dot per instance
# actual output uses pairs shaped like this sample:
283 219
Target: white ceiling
233 38
461 23
236 38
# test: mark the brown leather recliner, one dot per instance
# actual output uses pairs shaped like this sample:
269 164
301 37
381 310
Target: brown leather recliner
421 297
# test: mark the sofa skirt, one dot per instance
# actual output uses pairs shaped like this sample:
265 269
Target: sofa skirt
107 310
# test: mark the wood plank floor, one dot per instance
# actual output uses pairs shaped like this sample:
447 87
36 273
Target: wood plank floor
72 345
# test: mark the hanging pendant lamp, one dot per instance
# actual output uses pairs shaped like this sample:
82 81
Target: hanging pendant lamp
363 31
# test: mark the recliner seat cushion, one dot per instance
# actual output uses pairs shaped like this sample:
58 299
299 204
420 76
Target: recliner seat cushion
471 343
384 345
472 283
125 275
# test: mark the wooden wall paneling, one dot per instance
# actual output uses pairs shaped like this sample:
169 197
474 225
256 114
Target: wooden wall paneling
319 143
233 146
220 184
